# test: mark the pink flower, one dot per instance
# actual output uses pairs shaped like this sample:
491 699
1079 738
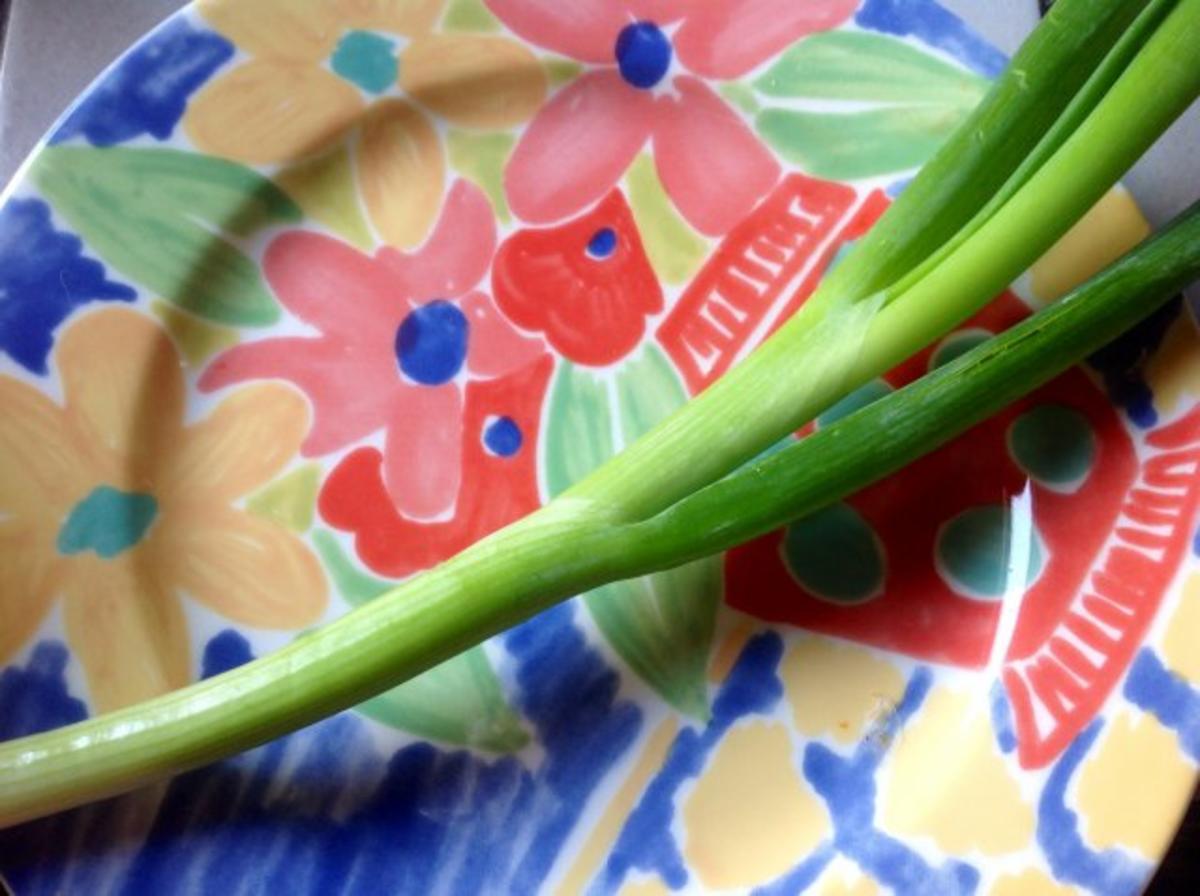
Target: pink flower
400 334
582 141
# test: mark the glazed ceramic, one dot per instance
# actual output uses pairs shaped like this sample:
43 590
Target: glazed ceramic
303 297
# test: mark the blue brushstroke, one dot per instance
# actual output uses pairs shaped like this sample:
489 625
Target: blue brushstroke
323 811
645 842
935 26
147 91
1109 871
44 277
1121 364
35 698
800 877
1153 687
1002 719
848 786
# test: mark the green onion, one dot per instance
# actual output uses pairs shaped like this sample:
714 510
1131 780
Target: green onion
1022 170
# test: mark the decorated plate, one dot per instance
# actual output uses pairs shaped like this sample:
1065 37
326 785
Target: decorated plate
301 298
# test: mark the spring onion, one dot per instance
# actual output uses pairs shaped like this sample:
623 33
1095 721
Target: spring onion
1095 85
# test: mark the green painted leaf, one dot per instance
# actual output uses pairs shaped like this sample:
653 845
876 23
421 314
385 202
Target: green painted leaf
661 625
859 65
849 146
458 702
739 95
675 250
167 219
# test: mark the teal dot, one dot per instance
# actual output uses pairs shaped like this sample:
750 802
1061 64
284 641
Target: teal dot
366 59
1055 445
835 554
855 401
108 521
956 345
973 551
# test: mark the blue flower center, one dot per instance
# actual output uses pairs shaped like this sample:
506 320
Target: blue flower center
503 437
643 54
603 243
431 344
367 60
108 521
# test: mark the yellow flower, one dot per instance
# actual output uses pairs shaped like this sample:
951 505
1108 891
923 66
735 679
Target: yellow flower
313 66
110 502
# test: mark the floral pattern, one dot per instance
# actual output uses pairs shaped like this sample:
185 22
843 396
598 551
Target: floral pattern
113 504
584 139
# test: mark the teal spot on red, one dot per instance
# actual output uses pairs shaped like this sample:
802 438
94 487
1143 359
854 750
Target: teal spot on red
974 550
643 54
431 344
956 345
108 521
503 437
835 554
855 401
366 60
1054 445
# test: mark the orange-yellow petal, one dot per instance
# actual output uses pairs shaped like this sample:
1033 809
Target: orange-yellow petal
401 172
128 631
26 583
242 444
474 80
39 469
124 393
267 111
396 16
246 568
301 30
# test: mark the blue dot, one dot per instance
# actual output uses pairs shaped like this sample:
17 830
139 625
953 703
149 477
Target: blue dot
503 437
431 344
643 54
603 243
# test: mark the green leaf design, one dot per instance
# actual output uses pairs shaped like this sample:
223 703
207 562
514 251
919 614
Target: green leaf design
859 65
457 702
167 219
661 625
849 146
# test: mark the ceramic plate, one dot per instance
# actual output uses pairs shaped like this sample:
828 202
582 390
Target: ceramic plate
302 297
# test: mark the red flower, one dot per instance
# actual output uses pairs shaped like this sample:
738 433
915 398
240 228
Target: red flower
587 284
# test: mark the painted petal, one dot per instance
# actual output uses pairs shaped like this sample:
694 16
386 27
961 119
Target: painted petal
423 456
124 390
281 29
474 80
349 387
39 465
726 40
495 348
662 11
397 16
266 111
710 163
457 253
401 169
128 631
328 284
577 147
26 585
248 439
581 29
248 569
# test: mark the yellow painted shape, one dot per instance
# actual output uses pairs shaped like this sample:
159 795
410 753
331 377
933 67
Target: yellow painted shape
290 500
751 816
1183 631
837 689
1032 882
946 780
1133 785
324 188
652 886
604 834
844 878
560 70
675 250
1112 227
196 339
1173 372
